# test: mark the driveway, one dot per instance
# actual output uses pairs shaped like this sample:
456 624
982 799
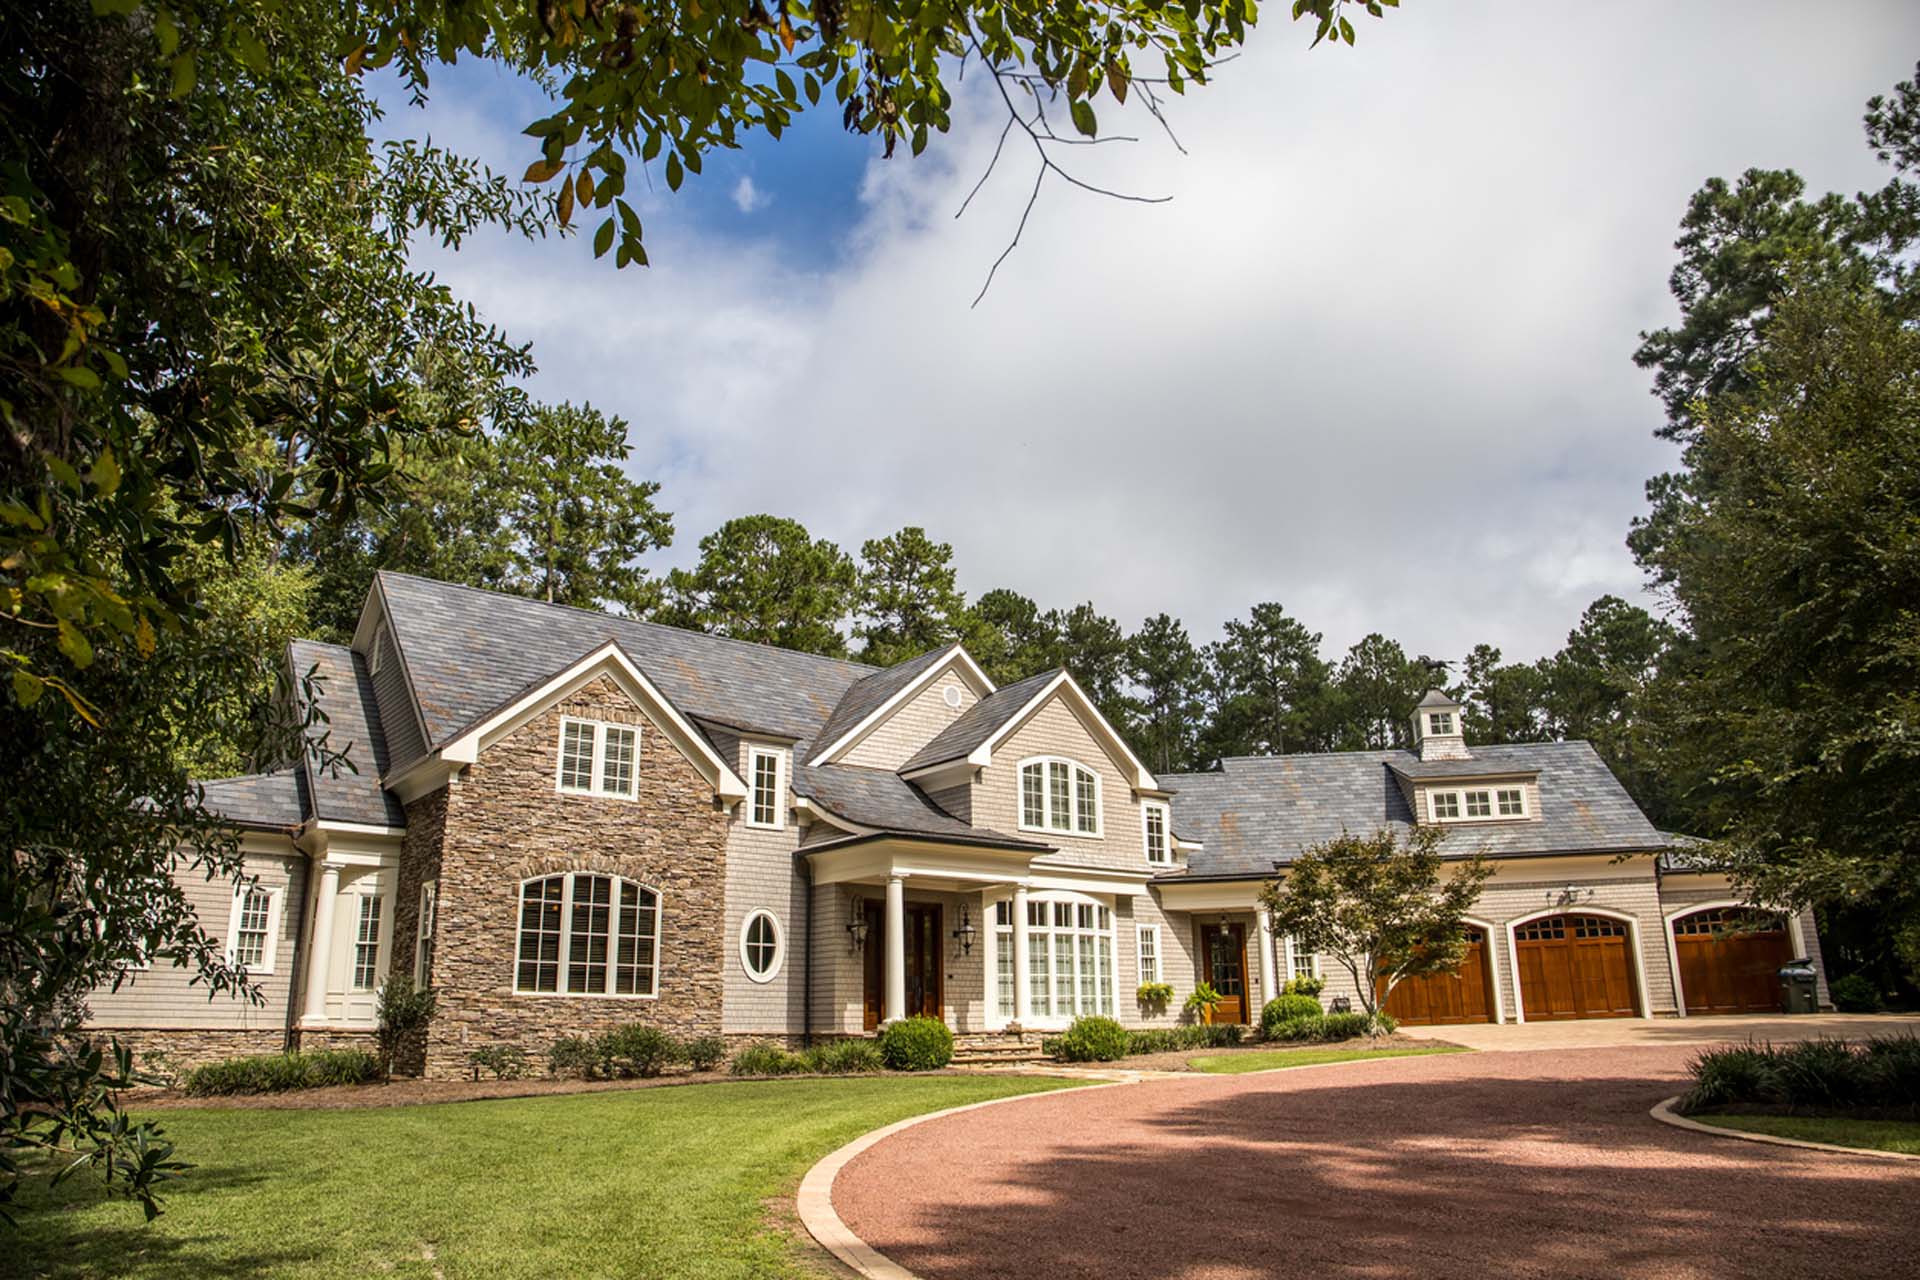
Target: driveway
1505 1164
1592 1032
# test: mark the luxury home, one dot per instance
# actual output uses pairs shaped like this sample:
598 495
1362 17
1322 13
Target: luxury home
564 821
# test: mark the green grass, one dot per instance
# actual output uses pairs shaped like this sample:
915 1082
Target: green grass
671 1182
1268 1059
1880 1135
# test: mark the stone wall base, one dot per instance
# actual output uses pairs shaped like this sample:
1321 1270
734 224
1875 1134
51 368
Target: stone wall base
167 1051
318 1041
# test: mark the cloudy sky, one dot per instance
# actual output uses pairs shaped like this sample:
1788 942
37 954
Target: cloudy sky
1372 360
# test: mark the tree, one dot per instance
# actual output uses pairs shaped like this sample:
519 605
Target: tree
1269 686
1093 648
1165 670
1504 701
764 578
908 601
1380 906
1599 683
1009 637
1374 692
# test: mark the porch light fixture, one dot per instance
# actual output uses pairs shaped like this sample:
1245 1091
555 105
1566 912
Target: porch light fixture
964 934
858 929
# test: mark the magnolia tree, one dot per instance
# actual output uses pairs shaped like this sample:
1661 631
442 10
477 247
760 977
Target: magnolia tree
1385 908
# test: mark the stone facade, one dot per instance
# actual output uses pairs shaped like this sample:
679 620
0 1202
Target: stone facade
505 821
178 1048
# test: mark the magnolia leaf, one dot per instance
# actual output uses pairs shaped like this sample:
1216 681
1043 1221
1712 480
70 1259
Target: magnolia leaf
674 173
252 52
1083 118
583 185
565 210
1117 81
603 239
355 58
1077 81
541 171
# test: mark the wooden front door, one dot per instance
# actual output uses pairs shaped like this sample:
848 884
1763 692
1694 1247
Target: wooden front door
1223 952
1440 999
925 994
1730 972
1574 966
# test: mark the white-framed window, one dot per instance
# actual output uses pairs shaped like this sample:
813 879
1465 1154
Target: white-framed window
1148 949
764 767
1446 806
1153 816
423 934
597 758
366 944
763 945
1300 964
1059 795
1512 802
583 934
1003 956
1440 723
1069 958
1479 804
253 928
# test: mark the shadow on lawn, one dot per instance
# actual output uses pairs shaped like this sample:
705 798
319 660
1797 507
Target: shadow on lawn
54 1241
1500 1176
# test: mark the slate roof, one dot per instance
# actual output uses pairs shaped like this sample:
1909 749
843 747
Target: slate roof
978 722
273 800
345 696
882 799
1412 767
867 695
1259 811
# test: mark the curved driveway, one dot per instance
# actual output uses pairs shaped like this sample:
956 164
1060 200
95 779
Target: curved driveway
1539 1163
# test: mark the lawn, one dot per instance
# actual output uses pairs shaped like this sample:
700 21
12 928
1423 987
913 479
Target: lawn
1268 1059
1881 1135
675 1182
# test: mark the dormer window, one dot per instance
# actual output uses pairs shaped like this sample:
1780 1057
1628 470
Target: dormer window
1159 845
763 805
1477 804
1446 806
1440 724
599 759
1512 802
1059 795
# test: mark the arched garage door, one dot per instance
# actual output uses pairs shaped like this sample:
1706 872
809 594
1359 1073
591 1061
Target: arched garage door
1730 959
1574 966
1448 998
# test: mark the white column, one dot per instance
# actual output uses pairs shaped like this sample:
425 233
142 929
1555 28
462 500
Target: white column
1022 987
1267 988
320 957
895 1007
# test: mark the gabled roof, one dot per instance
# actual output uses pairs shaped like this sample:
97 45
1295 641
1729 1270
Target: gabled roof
1257 812
869 698
979 722
274 801
345 696
973 736
882 802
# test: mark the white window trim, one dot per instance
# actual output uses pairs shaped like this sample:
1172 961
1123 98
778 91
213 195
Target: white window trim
1525 812
275 897
1313 961
566 937
1073 797
779 758
1166 832
594 788
1141 934
1493 813
379 944
1433 728
1052 1021
779 946
427 922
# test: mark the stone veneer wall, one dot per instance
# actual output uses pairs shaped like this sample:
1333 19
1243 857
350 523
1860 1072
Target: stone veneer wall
504 821
192 1047
419 864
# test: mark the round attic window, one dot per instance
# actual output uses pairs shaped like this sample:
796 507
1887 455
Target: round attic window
952 695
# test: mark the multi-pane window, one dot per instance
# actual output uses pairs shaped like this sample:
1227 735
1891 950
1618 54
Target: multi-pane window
1300 963
1059 795
1069 959
606 929
252 928
1479 804
764 806
1512 802
597 758
423 935
1155 816
1149 952
1003 955
1440 723
760 946
366 944
1446 805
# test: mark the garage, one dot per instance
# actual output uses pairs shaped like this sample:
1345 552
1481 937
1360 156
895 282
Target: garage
1439 999
1574 966
1729 959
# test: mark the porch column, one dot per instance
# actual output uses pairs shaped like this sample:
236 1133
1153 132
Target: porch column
1022 988
1267 988
319 959
895 1007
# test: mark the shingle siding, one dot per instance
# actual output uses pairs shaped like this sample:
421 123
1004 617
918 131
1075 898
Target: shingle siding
914 724
1055 730
762 874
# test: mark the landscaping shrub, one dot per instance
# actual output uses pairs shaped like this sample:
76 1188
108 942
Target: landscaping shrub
280 1072
1093 1039
1305 984
403 1013
1855 993
504 1060
1880 1076
1328 1026
1167 1039
1287 1007
916 1044
844 1058
767 1060
704 1053
635 1050
1893 1070
575 1056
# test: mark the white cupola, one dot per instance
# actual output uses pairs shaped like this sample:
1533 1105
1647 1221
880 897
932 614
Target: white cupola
1437 731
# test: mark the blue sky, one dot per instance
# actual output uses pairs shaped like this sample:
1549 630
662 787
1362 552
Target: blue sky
1372 361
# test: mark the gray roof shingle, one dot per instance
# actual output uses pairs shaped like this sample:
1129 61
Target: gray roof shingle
275 800
978 723
346 697
882 799
1259 811
1415 769
867 695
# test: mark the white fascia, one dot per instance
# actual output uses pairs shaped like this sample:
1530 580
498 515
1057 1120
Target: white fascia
1140 778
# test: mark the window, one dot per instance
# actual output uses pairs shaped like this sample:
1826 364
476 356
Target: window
1003 955
1149 953
597 758
1069 958
1059 795
764 808
1479 804
1512 802
1446 805
588 935
1155 816
366 944
423 939
1301 964
1440 723
250 940
761 946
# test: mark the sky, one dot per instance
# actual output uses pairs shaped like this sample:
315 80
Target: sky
1372 359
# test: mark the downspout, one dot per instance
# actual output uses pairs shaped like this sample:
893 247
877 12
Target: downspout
806 965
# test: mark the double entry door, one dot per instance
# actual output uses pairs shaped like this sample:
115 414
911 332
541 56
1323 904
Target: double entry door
923 961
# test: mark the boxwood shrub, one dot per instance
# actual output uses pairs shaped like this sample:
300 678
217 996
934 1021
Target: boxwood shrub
1287 1008
916 1044
280 1072
1328 1026
1093 1039
634 1050
704 1053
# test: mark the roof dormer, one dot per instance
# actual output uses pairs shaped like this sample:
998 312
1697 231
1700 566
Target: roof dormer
1437 731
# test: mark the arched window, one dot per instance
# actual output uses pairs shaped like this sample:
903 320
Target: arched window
588 935
762 946
1059 795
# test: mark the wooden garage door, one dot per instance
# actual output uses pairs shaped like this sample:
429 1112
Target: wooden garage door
1574 966
1726 964
1442 998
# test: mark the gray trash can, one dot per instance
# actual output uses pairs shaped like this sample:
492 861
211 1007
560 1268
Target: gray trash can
1797 991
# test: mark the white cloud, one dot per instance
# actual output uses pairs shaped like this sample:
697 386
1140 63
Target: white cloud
1373 361
747 197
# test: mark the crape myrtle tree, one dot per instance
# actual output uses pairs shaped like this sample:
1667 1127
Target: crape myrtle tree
1385 908
210 328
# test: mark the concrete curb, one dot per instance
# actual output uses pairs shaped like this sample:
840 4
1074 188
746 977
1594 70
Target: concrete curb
1665 1114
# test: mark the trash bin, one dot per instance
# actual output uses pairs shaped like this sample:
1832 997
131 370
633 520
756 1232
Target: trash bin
1797 992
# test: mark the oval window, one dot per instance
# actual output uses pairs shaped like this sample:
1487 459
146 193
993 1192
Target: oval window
761 946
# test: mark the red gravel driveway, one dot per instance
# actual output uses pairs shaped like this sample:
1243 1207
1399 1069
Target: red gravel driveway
1475 1165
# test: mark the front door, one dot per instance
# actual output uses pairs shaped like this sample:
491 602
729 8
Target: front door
924 993
1224 951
